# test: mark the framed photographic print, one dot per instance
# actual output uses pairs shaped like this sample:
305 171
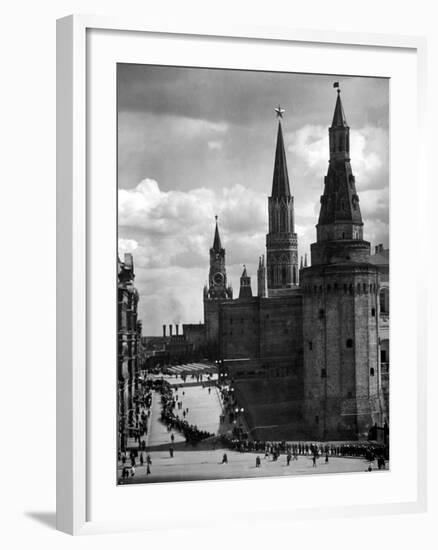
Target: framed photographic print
235 213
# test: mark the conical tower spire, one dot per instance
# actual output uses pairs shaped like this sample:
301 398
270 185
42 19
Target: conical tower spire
280 181
339 119
340 227
217 240
281 241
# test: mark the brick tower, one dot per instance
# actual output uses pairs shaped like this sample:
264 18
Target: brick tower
340 308
281 241
215 292
245 285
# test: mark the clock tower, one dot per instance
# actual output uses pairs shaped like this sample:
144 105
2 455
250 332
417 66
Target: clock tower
215 292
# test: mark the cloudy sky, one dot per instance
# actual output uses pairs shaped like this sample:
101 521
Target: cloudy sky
193 143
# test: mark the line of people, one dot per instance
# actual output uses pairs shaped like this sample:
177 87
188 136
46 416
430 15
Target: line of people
191 432
275 448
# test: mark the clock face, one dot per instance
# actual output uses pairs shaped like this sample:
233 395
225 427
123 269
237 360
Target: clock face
218 278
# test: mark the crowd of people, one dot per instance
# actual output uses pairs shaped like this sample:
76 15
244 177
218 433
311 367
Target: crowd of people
369 451
169 403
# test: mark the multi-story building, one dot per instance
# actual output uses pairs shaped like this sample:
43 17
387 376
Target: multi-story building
128 346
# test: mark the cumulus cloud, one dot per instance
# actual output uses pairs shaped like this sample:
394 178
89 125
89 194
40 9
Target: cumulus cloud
212 145
126 246
173 234
369 152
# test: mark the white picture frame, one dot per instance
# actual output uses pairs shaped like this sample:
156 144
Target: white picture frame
75 215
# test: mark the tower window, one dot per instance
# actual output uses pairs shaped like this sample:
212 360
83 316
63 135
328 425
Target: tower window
231 321
321 314
373 312
323 373
349 343
316 419
371 371
349 394
283 275
310 345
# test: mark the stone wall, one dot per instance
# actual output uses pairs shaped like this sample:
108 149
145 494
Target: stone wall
342 384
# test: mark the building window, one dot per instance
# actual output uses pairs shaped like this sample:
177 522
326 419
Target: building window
349 395
310 345
323 373
349 343
283 275
384 301
231 321
371 371
321 314
317 419
373 312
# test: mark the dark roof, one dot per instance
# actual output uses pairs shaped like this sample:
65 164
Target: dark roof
339 119
280 181
381 258
217 240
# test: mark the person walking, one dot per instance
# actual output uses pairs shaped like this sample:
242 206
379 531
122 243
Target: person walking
258 462
148 470
314 460
171 452
225 459
288 458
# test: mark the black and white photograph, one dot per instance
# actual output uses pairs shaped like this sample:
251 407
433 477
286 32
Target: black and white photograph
252 274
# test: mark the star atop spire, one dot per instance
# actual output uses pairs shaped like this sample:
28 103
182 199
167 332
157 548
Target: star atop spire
217 240
279 111
244 274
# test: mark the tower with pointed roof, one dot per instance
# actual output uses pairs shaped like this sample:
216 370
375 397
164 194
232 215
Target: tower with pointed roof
245 285
281 240
216 291
340 226
261 278
342 382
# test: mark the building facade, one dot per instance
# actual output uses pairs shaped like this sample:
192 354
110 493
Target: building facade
128 347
